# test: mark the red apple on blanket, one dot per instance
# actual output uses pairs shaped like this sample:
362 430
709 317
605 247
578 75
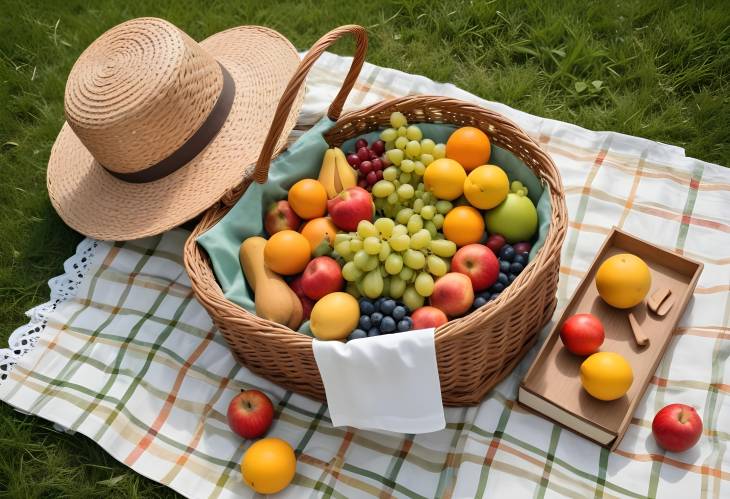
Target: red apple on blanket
452 294
477 262
677 427
307 302
426 317
349 207
322 276
280 216
250 413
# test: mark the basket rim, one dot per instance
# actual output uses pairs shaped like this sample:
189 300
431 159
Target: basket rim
207 286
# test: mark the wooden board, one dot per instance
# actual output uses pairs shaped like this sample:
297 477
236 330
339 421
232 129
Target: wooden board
554 376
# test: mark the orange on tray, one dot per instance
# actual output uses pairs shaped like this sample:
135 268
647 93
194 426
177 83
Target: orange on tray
287 252
318 230
469 146
464 225
308 198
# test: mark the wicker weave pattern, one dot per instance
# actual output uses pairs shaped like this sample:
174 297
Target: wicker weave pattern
474 352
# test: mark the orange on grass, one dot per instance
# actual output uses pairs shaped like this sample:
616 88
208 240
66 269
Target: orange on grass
469 146
318 230
287 252
308 198
463 225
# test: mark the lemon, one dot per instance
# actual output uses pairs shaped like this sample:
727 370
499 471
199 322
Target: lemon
445 179
623 280
334 316
268 466
486 186
606 375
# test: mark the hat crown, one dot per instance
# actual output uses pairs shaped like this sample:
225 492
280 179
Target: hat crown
139 92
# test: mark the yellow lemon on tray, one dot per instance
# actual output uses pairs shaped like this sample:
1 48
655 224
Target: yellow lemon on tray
606 375
445 179
623 280
486 186
268 466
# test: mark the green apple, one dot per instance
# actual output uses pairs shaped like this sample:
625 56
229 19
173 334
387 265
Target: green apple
515 218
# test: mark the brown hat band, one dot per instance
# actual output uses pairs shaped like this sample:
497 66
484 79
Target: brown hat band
194 145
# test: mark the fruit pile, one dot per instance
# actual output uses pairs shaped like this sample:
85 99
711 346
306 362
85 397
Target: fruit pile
418 231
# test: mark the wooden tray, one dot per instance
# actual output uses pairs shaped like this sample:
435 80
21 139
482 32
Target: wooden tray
552 385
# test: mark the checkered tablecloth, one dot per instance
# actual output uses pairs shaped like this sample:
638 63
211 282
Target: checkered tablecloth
125 355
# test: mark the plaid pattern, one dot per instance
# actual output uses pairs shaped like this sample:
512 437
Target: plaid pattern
134 362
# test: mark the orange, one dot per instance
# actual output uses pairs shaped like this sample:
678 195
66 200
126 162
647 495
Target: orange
464 225
287 252
623 280
268 466
469 146
318 230
445 179
486 186
606 375
308 198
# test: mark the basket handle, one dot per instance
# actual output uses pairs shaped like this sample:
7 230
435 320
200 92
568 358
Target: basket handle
297 80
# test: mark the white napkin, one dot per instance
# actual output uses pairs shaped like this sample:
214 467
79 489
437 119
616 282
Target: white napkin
388 382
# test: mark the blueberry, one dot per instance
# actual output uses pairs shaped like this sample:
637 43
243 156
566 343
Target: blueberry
504 266
507 253
365 322
484 294
494 296
379 302
405 325
373 331
521 259
503 278
479 302
387 325
375 318
357 334
497 287
366 307
387 307
512 277
516 268
398 312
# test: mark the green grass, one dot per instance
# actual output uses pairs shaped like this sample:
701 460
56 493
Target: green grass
656 69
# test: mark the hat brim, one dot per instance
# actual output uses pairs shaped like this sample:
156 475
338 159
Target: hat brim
97 204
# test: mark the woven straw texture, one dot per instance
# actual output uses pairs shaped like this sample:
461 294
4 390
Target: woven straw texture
474 352
135 96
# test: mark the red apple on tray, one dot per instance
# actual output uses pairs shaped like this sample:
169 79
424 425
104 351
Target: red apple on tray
427 317
582 334
307 302
677 427
250 413
280 216
322 276
349 207
477 262
452 294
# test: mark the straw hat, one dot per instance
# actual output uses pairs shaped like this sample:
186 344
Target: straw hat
159 127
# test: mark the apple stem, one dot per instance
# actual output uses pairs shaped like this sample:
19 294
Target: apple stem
683 417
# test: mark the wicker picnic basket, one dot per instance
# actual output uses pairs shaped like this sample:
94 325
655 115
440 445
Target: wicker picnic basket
474 352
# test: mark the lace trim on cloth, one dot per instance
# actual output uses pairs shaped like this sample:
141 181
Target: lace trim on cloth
63 288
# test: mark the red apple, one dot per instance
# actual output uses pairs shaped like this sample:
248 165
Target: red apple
250 413
478 263
349 207
452 294
495 243
426 317
280 216
322 276
307 302
677 427
582 334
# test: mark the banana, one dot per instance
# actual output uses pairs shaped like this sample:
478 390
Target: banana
328 172
346 174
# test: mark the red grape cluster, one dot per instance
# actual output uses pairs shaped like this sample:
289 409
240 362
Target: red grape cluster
368 163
